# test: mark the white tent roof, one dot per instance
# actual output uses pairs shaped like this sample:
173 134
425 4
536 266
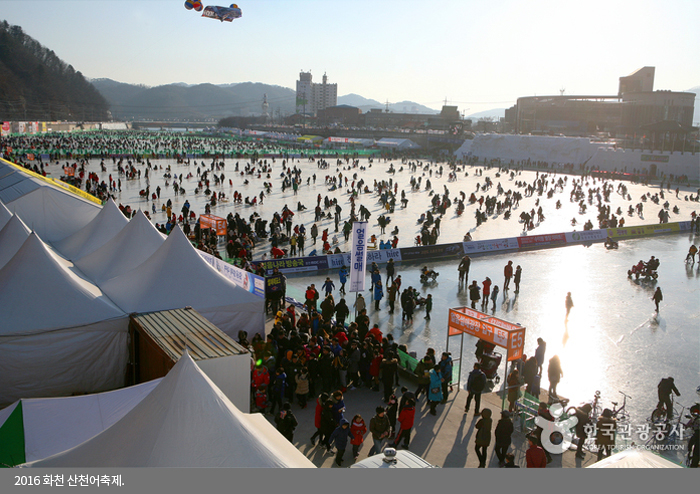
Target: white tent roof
4 214
103 227
175 276
14 183
387 142
53 425
58 333
12 236
135 243
53 213
635 458
39 293
186 421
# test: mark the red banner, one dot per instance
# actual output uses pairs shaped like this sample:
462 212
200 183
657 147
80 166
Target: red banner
491 329
533 240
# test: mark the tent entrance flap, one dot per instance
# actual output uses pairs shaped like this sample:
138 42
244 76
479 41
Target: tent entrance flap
12 439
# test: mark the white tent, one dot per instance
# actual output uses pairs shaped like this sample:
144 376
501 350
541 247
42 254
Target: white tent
53 213
59 334
5 214
402 144
14 182
12 237
109 221
135 243
175 276
36 428
635 458
186 421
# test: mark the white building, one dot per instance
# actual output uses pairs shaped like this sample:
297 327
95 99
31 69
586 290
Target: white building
312 97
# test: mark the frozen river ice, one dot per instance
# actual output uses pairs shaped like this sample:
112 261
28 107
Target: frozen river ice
612 340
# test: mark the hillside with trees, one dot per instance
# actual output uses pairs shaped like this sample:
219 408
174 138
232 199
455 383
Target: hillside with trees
35 84
194 102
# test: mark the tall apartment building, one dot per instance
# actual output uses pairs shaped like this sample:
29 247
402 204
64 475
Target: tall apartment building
312 97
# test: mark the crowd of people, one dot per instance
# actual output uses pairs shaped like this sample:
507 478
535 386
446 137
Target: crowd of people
318 354
351 197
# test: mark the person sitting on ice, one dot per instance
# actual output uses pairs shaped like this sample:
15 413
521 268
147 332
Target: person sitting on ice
610 243
277 253
428 273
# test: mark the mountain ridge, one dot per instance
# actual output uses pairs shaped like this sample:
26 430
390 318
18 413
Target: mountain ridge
216 101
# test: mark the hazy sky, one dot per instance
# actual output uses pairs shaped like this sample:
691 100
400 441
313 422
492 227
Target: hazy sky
476 54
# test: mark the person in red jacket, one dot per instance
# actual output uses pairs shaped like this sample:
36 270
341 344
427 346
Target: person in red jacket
342 338
485 292
375 333
261 398
535 455
358 429
508 273
406 417
323 397
374 367
260 375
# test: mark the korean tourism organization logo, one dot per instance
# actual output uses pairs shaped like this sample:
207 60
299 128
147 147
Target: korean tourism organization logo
556 436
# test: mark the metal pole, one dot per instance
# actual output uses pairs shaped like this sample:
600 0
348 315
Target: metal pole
505 380
461 357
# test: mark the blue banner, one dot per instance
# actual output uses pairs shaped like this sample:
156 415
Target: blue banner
297 264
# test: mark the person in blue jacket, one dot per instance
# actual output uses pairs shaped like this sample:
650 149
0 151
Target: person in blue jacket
378 293
435 389
328 286
279 386
339 438
445 365
374 275
343 275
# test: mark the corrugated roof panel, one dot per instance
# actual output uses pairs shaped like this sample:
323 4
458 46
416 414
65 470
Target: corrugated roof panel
174 329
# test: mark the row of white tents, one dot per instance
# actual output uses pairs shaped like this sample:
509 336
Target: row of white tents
70 274
183 420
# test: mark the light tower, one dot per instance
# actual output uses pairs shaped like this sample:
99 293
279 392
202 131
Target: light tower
265 108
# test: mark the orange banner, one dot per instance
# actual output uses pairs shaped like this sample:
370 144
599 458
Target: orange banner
491 329
214 222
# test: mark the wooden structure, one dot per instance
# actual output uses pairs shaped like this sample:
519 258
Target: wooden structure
157 340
